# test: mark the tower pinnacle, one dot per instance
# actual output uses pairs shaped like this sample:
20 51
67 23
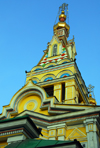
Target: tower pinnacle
64 5
62 28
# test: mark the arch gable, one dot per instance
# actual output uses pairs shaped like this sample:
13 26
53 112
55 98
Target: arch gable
30 91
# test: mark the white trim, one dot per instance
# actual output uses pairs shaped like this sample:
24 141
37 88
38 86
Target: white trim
61 138
52 138
60 48
15 139
34 101
56 126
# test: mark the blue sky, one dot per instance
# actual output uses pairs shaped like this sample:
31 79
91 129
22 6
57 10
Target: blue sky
26 26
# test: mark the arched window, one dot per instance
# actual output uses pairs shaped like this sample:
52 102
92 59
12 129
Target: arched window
55 50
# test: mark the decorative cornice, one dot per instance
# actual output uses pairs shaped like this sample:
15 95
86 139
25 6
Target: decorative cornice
57 80
19 126
61 125
44 120
10 132
57 67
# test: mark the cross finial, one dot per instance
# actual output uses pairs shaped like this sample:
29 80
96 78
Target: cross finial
63 6
90 89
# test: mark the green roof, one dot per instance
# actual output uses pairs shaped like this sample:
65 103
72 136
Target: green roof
38 130
34 143
15 118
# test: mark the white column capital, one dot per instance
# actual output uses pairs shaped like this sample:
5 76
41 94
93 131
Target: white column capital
61 125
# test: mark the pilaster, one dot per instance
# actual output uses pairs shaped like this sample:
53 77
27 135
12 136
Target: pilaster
57 132
58 91
92 130
70 92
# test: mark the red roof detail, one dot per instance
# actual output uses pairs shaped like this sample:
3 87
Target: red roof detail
50 60
61 57
45 59
63 54
44 62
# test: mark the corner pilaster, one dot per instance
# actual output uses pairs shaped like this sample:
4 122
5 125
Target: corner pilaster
92 130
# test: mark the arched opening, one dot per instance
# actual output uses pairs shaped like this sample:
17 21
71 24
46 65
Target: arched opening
55 50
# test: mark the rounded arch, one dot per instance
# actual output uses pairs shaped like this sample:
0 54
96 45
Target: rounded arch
64 61
54 49
48 77
50 64
36 68
64 73
26 92
35 80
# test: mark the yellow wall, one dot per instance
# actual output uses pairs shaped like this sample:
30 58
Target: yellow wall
51 47
58 91
56 72
29 103
69 134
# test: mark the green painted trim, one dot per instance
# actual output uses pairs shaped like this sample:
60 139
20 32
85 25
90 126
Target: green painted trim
34 143
15 118
20 118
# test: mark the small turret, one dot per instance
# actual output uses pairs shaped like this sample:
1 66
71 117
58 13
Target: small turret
91 92
92 100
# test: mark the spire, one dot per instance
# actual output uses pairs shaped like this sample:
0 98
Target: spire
62 28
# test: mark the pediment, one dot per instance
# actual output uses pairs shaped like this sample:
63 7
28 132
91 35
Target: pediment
54 40
76 133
